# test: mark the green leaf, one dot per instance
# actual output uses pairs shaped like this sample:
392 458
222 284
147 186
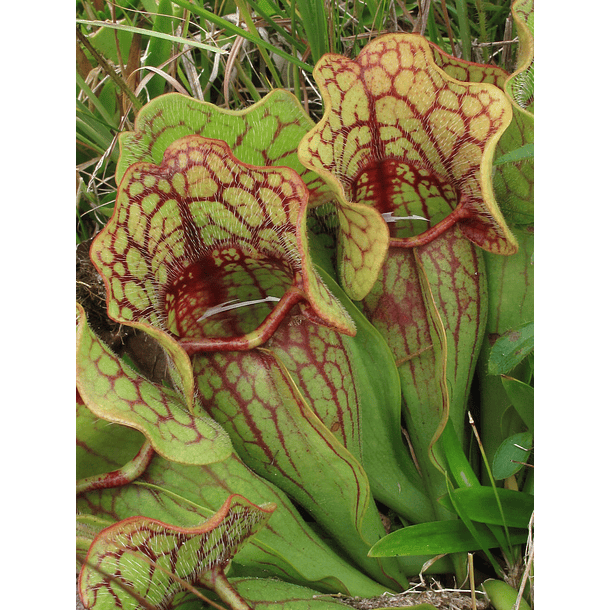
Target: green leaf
265 133
521 396
109 120
352 385
160 49
185 495
518 154
503 596
104 40
464 28
267 8
97 452
456 505
514 182
87 528
267 594
437 537
464 476
480 504
511 348
315 17
152 34
457 462
107 455
276 433
116 393
511 455
140 560
511 304
394 479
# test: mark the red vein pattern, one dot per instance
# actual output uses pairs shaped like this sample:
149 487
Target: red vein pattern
266 133
453 270
115 392
271 553
392 113
275 432
191 234
124 560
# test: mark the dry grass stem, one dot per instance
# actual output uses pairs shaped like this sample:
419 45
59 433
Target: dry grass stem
529 559
442 599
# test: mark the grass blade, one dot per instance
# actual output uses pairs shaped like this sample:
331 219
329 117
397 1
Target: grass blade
436 538
162 35
315 22
479 504
464 29
230 27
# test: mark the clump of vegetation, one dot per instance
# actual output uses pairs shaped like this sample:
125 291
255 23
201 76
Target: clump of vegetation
304 304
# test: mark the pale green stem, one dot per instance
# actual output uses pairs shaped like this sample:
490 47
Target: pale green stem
216 580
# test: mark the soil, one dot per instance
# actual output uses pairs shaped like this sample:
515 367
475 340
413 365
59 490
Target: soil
446 599
148 357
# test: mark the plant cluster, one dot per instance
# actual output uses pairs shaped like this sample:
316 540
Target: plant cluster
331 290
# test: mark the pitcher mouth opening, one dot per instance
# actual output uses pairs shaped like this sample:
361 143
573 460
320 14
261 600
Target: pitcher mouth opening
418 204
227 293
